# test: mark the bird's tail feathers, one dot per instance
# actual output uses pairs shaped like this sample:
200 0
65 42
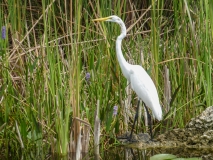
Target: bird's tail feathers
157 113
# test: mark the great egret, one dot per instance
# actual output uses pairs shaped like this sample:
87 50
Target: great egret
140 81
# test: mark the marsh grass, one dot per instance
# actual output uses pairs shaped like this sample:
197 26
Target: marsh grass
50 46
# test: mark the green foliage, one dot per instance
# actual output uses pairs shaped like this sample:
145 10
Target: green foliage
50 46
170 157
163 157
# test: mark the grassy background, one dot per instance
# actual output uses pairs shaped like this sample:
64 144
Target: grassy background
50 46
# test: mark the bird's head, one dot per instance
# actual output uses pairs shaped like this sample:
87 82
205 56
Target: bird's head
113 18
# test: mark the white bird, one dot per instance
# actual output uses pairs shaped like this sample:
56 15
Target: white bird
139 80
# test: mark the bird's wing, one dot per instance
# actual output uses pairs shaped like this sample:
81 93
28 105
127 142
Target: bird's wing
144 87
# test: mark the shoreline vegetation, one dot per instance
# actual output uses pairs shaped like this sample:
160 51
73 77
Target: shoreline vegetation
60 78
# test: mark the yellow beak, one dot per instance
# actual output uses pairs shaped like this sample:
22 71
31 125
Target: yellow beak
101 19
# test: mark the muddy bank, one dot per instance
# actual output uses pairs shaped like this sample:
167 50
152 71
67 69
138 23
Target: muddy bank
195 140
198 133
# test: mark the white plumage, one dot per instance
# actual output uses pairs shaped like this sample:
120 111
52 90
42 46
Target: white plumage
144 87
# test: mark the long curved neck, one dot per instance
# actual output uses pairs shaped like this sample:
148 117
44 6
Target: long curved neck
123 63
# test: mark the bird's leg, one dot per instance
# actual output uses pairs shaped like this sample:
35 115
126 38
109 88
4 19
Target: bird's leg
135 119
149 121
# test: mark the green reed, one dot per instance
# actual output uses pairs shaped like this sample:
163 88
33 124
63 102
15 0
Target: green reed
52 45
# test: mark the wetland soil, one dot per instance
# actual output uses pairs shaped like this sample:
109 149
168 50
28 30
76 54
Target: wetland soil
195 140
